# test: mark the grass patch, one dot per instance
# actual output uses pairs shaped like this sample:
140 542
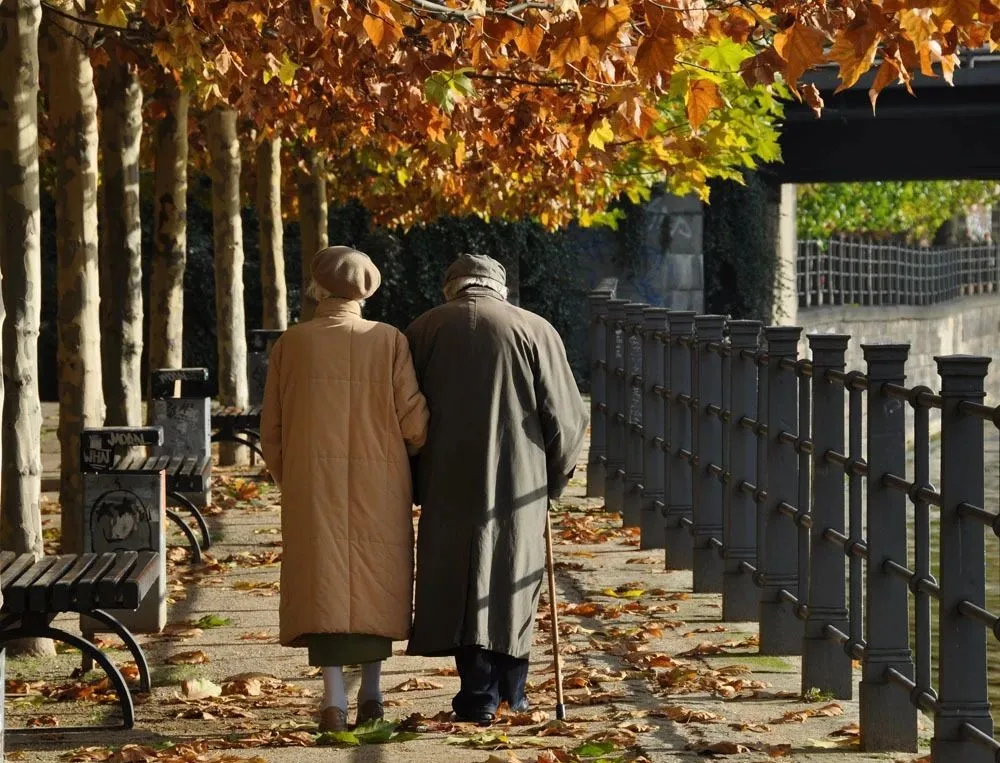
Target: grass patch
815 695
171 675
756 663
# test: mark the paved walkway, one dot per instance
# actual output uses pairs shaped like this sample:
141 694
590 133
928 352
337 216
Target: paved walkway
650 673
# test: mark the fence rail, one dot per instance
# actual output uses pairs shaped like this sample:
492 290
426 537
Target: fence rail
862 272
756 470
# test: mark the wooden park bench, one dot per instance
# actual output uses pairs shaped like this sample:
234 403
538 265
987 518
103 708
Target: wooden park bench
114 452
239 425
35 591
180 405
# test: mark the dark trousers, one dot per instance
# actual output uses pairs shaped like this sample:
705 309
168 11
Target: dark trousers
488 678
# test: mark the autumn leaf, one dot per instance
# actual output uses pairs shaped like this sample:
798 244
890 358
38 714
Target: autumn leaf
801 716
679 714
601 23
801 47
703 96
417 684
196 657
200 688
854 52
529 39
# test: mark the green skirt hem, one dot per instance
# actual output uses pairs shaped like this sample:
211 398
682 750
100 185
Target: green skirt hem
338 649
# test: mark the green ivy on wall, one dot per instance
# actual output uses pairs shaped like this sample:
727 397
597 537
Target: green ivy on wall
740 252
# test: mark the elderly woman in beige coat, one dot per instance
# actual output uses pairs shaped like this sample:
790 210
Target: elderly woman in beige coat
342 414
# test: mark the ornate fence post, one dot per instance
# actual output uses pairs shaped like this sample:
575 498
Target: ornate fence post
708 405
740 600
780 630
963 698
598 392
614 473
653 424
825 664
888 718
677 541
634 456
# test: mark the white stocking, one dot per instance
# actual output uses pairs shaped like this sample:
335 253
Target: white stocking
334 693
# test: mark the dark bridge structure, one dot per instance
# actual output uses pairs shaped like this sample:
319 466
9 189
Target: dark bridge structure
942 132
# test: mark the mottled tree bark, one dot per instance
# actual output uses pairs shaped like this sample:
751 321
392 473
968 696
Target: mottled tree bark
272 249
73 116
121 244
313 224
20 263
224 149
166 279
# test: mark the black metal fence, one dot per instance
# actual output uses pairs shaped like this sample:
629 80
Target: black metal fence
750 467
862 272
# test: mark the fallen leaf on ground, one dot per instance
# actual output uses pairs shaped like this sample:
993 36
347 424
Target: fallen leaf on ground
445 672
679 714
417 684
800 716
196 657
757 728
200 688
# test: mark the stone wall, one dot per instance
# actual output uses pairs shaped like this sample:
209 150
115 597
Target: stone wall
969 326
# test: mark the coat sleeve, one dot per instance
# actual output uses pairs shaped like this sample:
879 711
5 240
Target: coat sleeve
411 407
270 415
561 410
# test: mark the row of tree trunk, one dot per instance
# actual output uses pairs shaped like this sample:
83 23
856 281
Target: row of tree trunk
99 282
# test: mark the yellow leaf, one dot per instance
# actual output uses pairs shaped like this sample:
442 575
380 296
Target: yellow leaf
959 12
112 13
702 96
854 51
286 72
655 56
601 135
602 24
530 39
376 29
801 47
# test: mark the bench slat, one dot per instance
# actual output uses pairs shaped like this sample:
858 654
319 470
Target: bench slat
39 591
6 557
15 595
13 572
61 598
85 593
141 579
109 590
174 466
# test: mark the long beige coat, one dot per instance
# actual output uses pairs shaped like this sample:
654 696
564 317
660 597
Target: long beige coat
341 405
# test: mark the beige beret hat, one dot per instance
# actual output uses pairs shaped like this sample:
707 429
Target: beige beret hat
346 273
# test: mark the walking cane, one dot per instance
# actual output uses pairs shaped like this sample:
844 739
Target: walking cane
550 562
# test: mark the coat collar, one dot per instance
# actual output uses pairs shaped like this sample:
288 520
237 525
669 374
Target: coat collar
334 306
479 291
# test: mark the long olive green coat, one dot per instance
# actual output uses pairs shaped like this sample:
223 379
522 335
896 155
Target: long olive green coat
506 428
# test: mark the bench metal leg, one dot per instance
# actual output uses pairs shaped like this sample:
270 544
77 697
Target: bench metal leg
145 681
45 630
178 520
239 440
199 518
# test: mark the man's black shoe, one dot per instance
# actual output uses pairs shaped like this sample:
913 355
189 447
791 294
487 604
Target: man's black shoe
524 706
482 719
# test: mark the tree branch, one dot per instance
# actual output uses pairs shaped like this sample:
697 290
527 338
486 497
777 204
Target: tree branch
82 21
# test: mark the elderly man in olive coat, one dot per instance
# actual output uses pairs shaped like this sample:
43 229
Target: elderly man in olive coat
507 425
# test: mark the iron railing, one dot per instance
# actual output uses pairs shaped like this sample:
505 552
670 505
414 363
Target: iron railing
757 470
862 272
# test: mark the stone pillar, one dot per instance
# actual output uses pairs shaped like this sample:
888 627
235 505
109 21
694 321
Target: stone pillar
786 294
